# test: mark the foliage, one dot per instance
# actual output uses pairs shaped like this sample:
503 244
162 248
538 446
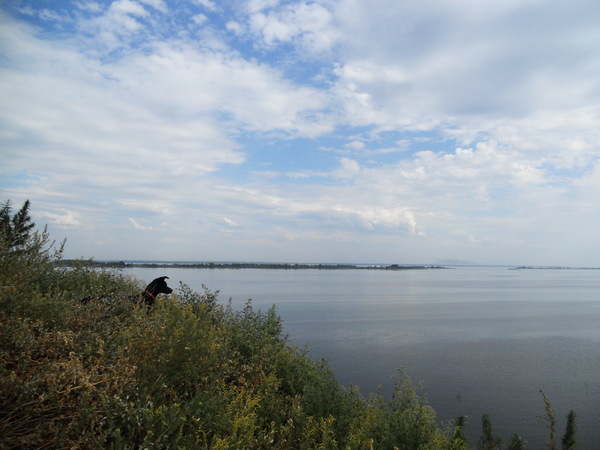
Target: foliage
17 241
404 422
550 422
516 443
488 440
569 440
83 367
26 256
458 437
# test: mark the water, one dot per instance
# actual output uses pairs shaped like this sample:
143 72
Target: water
482 340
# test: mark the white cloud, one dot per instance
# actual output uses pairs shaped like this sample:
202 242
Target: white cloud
309 23
254 6
63 219
147 118
44 14
208 4
234 27
199 19
88 5
121 8
230 222
159 5
182 80
122 24
348 169
459 60
135 224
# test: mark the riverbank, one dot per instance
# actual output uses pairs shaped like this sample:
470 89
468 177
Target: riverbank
239 265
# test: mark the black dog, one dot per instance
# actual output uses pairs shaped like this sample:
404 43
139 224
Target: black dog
157 286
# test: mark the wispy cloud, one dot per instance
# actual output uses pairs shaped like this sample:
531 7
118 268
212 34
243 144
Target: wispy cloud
135 224
208 4
64 219
306 24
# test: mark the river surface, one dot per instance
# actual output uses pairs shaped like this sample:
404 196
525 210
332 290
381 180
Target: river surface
480 339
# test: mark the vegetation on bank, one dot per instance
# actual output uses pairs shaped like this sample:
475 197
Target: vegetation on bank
239 265
190 373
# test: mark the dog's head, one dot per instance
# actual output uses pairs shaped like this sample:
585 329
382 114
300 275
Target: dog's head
159 286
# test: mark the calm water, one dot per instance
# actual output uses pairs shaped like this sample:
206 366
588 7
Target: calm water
482 340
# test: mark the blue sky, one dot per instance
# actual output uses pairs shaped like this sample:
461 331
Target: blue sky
367 131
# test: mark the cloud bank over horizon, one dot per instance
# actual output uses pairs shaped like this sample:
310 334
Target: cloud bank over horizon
306 131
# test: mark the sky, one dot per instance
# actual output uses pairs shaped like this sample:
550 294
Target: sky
358 131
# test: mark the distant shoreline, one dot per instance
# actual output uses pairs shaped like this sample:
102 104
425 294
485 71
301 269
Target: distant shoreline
553 268
241 265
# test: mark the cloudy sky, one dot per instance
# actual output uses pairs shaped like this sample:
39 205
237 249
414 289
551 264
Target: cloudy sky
366 131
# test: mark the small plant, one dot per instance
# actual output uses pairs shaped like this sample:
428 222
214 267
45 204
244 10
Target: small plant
550 422
516 443
458 436
488 440
569 440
